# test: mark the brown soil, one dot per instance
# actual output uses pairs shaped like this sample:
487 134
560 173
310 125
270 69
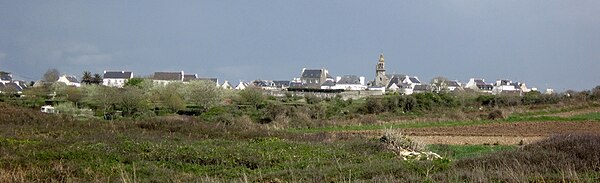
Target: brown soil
495 133
521 129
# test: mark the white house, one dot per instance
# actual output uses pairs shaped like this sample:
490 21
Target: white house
116 78
241 86
5 77
507 86
226 85
403 84
69 80
350 82
165 78
479 85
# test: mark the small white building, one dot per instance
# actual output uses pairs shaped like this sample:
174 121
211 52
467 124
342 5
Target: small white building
479 85
69 80
242 86
116 78
164 78
226 85
350 82
5 77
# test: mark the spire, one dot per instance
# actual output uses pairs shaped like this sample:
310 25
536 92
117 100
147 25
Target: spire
381 57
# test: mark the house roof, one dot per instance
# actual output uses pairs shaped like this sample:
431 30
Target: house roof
349 79
328 83
281 83
263 83
421 87
5 77
189 77
414 80
72 79
479 82
11 85
390 76
118 75
312 73
453 83
208 79
171 76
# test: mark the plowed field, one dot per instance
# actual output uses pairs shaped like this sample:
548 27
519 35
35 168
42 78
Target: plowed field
493 133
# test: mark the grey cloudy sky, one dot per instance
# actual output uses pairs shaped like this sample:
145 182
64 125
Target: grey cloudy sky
544 43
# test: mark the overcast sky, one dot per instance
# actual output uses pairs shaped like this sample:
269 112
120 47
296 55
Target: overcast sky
543 43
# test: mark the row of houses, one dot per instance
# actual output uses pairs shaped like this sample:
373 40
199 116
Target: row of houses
400 83
7 84
316 79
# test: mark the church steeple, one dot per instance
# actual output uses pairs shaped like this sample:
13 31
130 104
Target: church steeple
380 77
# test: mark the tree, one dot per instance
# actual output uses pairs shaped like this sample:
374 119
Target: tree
101 98
131 101
251 96
439 83
97 79
51 75
166 96
596 92
137 82
87 77
204 94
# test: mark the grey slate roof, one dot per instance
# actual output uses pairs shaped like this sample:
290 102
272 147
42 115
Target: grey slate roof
11 85
169 76
328 83
282 83
72 79
479 82
349 79
189 77
414 80
118 75
5 77
208 79
453 83
394 80
390 76
421 88
263 83
312 73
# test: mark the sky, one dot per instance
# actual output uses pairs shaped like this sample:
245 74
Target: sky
543 43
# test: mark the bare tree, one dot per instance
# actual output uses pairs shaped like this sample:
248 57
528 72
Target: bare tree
439 83
51 75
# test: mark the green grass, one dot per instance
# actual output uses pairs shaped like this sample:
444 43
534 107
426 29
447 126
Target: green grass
456 152
589 116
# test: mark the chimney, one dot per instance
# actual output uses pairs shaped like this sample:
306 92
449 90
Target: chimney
362 80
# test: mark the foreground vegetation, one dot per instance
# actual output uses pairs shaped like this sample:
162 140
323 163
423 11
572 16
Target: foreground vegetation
36 147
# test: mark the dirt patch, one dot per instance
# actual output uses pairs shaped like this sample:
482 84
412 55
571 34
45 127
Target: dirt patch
494 133
476 140
520 129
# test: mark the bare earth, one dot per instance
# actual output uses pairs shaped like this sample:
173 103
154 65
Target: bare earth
495 133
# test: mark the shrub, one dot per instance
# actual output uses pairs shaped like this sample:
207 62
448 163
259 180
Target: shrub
495 114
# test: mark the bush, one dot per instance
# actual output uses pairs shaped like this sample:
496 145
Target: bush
495 114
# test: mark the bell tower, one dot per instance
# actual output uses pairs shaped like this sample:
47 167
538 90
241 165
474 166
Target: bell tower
380 77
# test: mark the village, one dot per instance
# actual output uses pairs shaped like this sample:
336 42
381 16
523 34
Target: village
319 81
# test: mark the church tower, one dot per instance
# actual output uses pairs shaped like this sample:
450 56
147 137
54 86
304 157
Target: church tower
381 79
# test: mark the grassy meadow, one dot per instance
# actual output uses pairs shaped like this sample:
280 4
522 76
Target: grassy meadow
37 147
